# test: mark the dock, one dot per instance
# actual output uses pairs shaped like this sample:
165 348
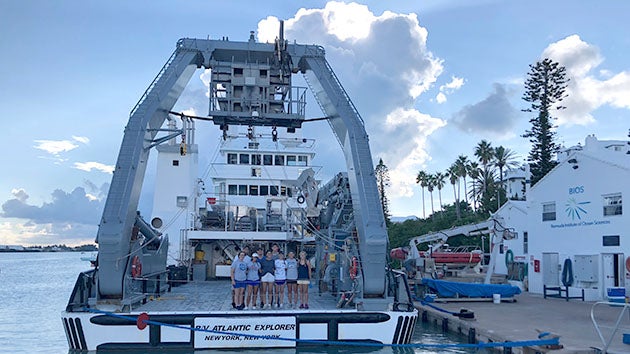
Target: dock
529 315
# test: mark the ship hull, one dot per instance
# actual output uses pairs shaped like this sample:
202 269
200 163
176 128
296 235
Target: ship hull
87 331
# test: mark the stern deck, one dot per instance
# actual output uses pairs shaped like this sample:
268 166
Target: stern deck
216 296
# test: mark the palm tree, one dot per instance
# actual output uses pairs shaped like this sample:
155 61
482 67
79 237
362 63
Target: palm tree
474 172
485 154
430 188
503 157
440 180
461 163
453 177
422 180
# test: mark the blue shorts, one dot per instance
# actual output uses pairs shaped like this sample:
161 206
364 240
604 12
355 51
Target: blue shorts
281 282
240 284
253 282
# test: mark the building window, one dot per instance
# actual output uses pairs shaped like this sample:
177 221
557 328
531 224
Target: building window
525 242
610 240
242 189
278 160
302 160
175 162
243 159
256 172
232 159
267 160
182 201
232 189
253 190
256 160
612 204
549 211
264 190
291 160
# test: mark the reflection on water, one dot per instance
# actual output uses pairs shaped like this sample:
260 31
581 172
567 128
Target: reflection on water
34 289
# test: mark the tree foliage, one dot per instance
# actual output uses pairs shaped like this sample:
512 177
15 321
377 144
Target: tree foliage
382 179
545 88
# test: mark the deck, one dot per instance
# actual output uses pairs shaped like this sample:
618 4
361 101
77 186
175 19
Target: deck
216 295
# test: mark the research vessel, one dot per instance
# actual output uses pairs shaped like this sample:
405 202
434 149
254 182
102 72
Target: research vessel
132 299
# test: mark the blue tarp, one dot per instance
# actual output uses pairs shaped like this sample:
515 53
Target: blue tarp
455 289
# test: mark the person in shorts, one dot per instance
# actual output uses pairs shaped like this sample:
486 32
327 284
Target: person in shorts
281 279
303 279
292 293
253 282
267 269
238 274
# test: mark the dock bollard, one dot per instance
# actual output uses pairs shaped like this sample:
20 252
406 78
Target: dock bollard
472 336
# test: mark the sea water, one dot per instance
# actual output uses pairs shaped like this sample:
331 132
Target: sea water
34 289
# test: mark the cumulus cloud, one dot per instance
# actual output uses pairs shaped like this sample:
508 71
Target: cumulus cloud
81 139
91 165
29 233
455 84
55 147
494 114
384 65
65 208
586 91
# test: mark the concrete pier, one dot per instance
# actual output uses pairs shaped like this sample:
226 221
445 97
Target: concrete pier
530 314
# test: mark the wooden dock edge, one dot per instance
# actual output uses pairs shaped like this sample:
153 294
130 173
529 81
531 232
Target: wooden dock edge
471 329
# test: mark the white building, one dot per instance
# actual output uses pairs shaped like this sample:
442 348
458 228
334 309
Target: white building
575 212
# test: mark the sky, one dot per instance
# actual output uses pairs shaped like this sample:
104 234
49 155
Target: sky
430 78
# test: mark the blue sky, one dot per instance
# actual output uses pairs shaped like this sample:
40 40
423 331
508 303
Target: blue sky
431 79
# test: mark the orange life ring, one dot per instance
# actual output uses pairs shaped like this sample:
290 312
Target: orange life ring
136 267
628 264
354 268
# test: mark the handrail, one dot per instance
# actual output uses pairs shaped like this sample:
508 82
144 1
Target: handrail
606 343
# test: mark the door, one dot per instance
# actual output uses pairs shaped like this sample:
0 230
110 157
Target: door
613 268
551 272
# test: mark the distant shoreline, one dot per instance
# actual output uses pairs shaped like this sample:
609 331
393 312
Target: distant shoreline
42 251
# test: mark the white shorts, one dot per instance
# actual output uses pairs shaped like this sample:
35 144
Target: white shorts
303 282
268 278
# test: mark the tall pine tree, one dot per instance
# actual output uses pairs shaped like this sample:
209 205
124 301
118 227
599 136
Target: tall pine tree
382 180
544 90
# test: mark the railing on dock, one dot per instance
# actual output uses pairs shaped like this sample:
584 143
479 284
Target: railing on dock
623 309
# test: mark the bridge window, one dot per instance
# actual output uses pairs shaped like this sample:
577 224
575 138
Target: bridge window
256 160
278 160
273 190
232 189
302 160
232 159
291 160
243 159
267 160
242 189
264 190
253 190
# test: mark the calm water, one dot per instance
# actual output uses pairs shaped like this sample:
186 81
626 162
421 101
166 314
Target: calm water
34 289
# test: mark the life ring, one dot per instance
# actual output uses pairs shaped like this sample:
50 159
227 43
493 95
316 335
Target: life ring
354 268
300 199
628 264
136 267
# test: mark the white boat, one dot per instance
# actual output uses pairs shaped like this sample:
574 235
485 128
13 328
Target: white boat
261 189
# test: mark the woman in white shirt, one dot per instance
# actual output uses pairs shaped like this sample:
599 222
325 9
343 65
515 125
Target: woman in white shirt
281 279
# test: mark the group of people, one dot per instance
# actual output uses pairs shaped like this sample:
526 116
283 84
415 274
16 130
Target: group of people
267 276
